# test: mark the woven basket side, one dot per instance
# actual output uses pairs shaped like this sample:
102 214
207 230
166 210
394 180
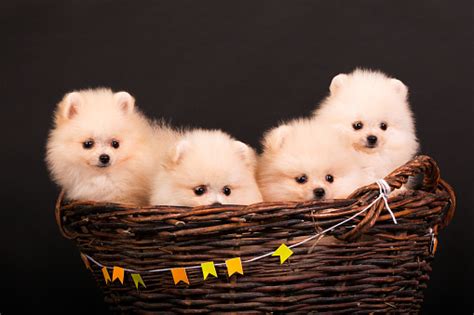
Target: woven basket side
369 265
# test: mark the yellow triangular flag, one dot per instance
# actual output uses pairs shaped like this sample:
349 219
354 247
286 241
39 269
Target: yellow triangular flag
117 273
86 261
208 268
137 279
284 252
106 275
234 265
179 274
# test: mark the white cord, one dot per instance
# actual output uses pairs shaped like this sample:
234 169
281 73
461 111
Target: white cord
385 190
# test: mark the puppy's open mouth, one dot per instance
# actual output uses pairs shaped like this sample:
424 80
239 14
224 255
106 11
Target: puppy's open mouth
102 165
370 146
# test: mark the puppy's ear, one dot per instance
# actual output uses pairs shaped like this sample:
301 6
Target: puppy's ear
247 154
399 87
125 101
68 107
274 139
337 82
176 154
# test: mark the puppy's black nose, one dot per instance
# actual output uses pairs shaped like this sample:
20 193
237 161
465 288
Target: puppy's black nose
216 204
319 193
371 140
104 159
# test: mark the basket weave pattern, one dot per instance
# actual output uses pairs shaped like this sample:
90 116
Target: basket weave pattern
367 265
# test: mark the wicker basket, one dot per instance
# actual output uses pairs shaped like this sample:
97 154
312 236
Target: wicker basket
367 265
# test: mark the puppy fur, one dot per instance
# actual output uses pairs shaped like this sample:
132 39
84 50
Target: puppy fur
212 162
370 113
89 124
303 148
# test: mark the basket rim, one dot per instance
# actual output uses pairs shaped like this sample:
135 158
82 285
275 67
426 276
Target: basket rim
421 164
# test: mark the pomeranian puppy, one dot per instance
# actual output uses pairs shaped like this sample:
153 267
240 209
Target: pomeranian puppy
301 161
101 148
206 167
371 114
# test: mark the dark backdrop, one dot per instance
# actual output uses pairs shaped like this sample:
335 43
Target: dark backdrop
237 65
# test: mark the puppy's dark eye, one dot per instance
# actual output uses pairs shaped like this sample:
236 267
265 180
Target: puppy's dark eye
329 178
301 179
88 144
200 190
383 126
115 144
227 191
357 125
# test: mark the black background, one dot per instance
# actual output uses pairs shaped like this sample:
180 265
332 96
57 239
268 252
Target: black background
237 65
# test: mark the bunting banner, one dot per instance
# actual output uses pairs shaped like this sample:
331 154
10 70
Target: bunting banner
137 279
208 268
179 274
284 252
234 265
118 273
106 275
86 261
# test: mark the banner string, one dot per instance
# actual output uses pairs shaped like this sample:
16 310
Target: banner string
384 191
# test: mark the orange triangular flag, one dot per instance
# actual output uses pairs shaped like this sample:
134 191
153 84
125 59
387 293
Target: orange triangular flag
106 275
179 274
117 273
86 261
234 265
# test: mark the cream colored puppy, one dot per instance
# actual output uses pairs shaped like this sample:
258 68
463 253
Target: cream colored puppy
371 114
101 148
301 161
206 167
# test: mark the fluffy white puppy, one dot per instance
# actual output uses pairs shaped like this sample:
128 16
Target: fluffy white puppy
206 167
301 161
371 114
101 148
